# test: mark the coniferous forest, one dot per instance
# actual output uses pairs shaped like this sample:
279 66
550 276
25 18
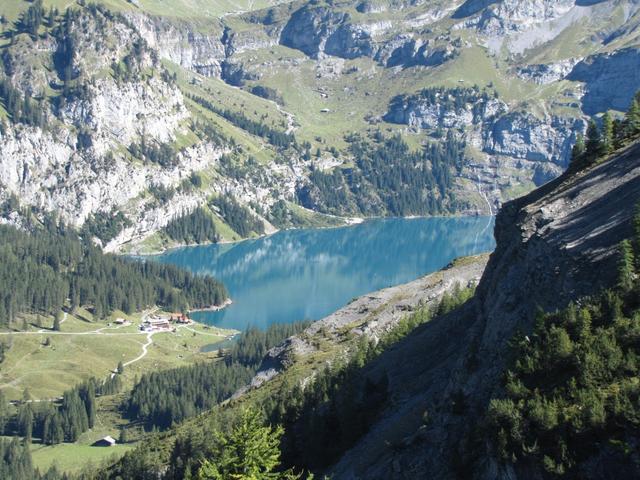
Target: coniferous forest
389 178
239 218
572 387
44 271
194 227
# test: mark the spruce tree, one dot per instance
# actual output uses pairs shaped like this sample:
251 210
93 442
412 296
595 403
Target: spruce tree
25 422
607 133
251 451
4 412
594 141
632 118
57 320
626 266
619 132
636 236
578 149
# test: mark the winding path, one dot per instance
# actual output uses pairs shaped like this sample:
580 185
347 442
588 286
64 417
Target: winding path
145 350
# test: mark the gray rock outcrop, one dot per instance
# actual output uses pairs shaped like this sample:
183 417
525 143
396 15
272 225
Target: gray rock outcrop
610 80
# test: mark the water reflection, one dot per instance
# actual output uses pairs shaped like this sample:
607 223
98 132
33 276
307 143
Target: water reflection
307 274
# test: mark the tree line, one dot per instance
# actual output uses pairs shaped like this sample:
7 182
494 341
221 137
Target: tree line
105 226
611 135
45 271
274 137
328 416
194 227
238 217
447 99
61 421
52 423
163 399
16 463
162 154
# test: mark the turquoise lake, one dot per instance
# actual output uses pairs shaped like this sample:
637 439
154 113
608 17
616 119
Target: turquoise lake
307 274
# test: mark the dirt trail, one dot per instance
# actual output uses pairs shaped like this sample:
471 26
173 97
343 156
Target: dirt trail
145 349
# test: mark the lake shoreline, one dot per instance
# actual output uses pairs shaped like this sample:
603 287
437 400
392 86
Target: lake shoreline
306 274
213 308
349 223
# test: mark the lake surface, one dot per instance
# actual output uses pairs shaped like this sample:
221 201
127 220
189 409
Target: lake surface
308 274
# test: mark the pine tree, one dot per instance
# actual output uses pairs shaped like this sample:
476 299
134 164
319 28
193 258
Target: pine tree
251 451
578 149
607 133
25 422
57 321
594 141
120 368
632 118
626 266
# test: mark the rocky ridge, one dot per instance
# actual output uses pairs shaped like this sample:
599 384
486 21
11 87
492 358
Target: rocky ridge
372 315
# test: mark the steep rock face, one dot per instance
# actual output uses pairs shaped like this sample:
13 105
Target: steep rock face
32 81
249 41
406 51
409 39
444 109
50 173
553 246
544 74
520 135
487 124
601 72
309 28
183 44
118 113
498 17
559 243
471 7
321 31
234 73
520 26
350 41
81 162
